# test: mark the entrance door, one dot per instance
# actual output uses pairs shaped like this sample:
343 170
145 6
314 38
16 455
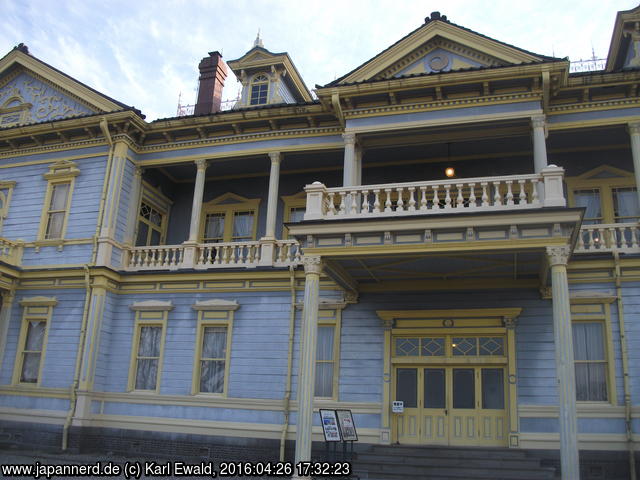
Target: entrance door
451 405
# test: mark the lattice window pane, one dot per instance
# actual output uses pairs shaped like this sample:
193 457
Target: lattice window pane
491 346
407 347
465 346
432 347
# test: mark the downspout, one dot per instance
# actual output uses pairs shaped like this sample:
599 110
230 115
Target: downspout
287 392
625 368
104 126
73 400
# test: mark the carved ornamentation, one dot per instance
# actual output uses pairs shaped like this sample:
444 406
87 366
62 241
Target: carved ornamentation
349 138
558 255
201 164
634 128
539 121
509 322
312 264
350 297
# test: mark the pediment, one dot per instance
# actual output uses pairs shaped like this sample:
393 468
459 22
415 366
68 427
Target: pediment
439 46
624 51
230 198
33 92
604 172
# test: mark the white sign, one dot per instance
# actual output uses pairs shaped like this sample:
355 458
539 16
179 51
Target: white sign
347 426
397 406
330 426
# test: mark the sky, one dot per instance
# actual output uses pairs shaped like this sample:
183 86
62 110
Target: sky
145 53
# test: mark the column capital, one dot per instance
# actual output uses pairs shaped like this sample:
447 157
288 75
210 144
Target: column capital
137 171
312 264
634 128
539 121
509 322
349 138
558 255
276 157
201 164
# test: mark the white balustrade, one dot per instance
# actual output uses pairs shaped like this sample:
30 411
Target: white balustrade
513 192
210 255
609 237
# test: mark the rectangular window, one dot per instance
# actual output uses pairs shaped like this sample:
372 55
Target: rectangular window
33 339
151 225
625 205
259 94
590 361
57 210
147 358
325 361
242 226
213 358
590 200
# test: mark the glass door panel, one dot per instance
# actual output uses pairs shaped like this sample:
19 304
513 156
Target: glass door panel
463 430
433 416
492 415
406 390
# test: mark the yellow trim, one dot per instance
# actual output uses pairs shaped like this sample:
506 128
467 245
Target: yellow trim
34 309
290 202
4 211
160 320
586 181
240 204
60 173
332 318
151 196
254 83
208 318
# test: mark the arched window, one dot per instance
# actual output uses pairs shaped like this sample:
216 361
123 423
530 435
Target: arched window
259 90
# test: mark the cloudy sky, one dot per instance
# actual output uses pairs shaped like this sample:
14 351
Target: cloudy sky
145 53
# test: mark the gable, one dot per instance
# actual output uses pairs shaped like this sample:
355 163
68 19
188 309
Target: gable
26 99
624 51
439 46
439 55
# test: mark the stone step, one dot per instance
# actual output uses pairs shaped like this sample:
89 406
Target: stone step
429 459
441 451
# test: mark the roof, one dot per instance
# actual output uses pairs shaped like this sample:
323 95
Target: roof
437 17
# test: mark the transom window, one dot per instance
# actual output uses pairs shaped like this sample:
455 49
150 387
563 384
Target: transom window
259 90
449 346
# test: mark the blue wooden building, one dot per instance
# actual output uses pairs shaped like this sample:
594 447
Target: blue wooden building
453 224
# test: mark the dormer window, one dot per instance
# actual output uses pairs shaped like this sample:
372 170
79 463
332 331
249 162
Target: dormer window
259 90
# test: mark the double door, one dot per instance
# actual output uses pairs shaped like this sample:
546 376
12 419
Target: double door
451 405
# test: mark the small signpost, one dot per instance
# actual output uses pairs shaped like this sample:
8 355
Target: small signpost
397 406
338 426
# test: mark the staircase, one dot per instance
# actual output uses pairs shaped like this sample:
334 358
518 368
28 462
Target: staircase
391 462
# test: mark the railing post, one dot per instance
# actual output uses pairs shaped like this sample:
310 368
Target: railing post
553 189
316 208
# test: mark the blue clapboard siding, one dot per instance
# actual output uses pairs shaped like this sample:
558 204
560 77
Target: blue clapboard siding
35 403
104 341
62 341
631 302
123 206
50 255
585 425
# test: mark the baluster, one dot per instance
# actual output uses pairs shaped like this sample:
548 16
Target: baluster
201 257
332 206
225 254
592 243
146 258
601 240
634 236
342 207
497 197
612 242
509 193
447 198
534 192
623 237
365 202
176 253
522 196
423 199
412 200
472 195
133 258
485 196
353 208
290 253
246 253
459 198
581 240
376 201
210 254
218 256
164 257
400 202
258 252
387 203
436 200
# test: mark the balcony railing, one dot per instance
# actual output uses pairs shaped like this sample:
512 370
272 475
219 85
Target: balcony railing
280 253
11 252
483 194
611 237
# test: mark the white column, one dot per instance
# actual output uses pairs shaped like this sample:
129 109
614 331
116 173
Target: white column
538 124
134 206
307 368
565 370
272 201
196 209
350 161
634 136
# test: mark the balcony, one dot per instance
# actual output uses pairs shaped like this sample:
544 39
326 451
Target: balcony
11 252
482 194
605 238
280 253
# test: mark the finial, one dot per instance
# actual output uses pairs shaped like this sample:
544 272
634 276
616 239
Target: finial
258 41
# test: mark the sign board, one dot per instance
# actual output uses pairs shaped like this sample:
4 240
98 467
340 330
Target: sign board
397 406
330 427
347 426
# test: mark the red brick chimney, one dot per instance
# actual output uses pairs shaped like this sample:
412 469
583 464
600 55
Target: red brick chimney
213 72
